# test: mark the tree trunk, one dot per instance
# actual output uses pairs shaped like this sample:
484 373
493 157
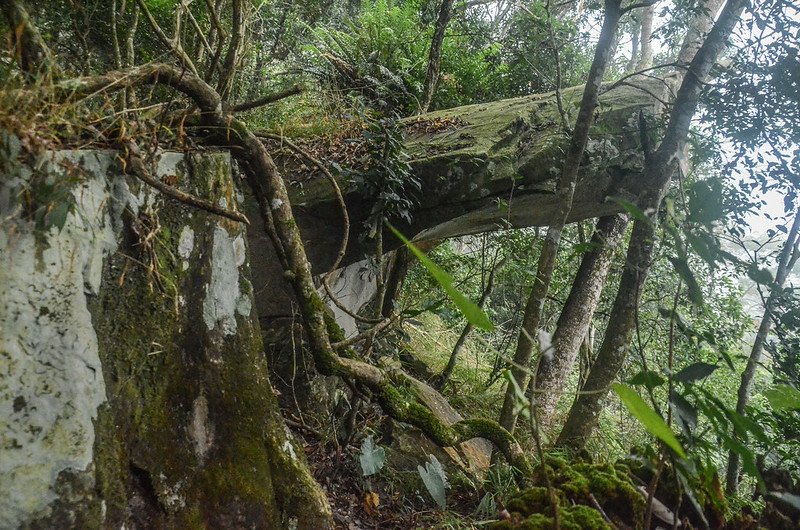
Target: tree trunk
435 56
701 24
565 191
584 414
635 36
645 38
788 257
576 316
30 51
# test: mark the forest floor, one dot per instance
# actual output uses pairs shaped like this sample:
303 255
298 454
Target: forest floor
395 499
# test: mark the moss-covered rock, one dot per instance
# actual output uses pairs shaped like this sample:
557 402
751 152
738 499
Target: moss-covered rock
162 410
578 488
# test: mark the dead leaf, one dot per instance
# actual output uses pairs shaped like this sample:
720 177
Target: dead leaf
371 502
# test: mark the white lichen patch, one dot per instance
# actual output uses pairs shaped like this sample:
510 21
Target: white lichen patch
224 297
288 448
601 149
49 358
171 495
186 242
239 250
200 430
185 246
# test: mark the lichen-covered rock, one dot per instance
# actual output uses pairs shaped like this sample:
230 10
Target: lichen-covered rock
133 383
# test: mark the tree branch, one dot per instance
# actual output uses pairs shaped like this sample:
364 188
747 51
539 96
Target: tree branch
392 389
134 164
269 98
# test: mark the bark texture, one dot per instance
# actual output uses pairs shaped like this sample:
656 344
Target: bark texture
583 416
645 38
565 192
435 55
576 316
30 51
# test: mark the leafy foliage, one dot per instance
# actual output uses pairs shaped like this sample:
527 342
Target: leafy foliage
372 457
435 480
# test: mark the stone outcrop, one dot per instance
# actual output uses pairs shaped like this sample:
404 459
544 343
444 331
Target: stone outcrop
133 383
482 167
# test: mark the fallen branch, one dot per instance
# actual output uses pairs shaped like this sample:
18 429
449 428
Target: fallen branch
134 164
266 100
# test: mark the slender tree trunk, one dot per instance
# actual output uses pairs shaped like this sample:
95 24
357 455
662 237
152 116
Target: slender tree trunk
228 71
788 257
645 38
435 56
30 51
564 191
462 339
576 316
698 29
584 414
635 34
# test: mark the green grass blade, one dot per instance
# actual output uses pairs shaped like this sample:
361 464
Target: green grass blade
474 314
654 424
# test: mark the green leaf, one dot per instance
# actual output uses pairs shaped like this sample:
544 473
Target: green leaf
58 215
632 209
695 372
474 314
649 418
685 412
706 203
748 457
743 425
647 378
693 288
520 401
783 397
435 480
372 457
688 489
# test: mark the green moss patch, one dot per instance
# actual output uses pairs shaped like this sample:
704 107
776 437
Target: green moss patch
579 487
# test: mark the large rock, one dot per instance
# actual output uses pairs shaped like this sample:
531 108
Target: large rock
473 456
482 167
133 385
